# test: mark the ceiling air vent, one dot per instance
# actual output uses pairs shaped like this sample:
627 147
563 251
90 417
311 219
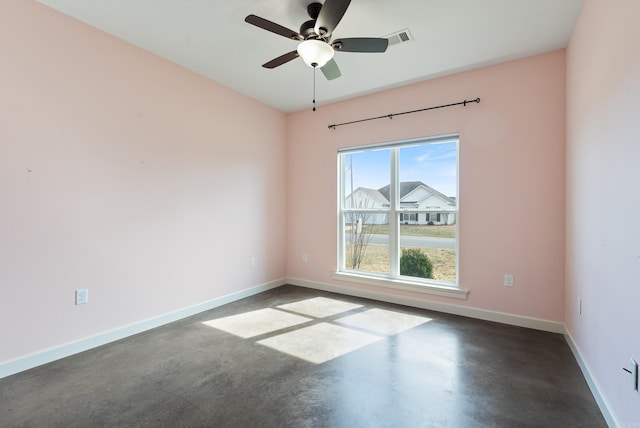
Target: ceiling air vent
401 36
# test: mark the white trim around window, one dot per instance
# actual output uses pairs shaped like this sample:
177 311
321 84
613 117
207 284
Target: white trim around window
384 199
402 284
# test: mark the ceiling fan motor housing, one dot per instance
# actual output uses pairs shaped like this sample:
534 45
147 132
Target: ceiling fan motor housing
307 29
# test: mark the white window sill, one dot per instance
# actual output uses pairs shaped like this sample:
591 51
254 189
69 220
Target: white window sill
418 287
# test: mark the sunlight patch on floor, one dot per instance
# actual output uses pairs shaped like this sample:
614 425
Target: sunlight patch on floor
321 339
256 323
319 307
383 321
320 343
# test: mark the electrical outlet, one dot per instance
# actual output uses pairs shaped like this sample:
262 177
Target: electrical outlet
252 262
305 257
508 280
82 296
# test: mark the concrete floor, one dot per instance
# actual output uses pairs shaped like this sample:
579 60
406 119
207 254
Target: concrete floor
295 357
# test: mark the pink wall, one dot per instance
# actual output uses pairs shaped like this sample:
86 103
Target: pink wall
512 159
603 200
128 175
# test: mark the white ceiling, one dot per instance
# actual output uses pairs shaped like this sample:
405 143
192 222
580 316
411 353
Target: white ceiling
211 38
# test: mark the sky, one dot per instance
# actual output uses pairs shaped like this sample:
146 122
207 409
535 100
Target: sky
434 164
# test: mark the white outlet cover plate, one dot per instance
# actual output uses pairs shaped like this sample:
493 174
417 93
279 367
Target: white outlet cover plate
82 296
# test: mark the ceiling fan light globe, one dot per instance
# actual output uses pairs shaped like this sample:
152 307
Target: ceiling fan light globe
315 53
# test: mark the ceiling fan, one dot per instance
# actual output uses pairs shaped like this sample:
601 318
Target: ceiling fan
316 47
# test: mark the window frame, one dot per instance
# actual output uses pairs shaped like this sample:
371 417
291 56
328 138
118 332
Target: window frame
393 279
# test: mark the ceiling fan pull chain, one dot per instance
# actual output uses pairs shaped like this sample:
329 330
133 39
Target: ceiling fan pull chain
314 88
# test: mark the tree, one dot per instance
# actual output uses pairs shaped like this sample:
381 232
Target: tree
359 235
414 262
359 238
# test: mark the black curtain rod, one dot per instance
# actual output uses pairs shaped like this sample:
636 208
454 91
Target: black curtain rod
390 116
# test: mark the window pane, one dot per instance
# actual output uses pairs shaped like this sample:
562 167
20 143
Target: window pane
434 165
366 238
365 174
437 242
428 182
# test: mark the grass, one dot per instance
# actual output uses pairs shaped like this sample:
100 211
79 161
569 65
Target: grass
376 259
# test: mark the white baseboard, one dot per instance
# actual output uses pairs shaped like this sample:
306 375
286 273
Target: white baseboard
30 361
483 314
593 385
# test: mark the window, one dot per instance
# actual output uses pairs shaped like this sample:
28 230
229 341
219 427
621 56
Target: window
407 217
398 211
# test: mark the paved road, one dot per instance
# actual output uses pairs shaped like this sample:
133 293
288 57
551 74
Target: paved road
417 241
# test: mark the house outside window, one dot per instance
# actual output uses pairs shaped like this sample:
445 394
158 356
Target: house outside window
399 202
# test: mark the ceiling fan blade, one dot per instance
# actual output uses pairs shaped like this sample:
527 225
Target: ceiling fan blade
265 24
361 44
331 70
330 15
282 59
